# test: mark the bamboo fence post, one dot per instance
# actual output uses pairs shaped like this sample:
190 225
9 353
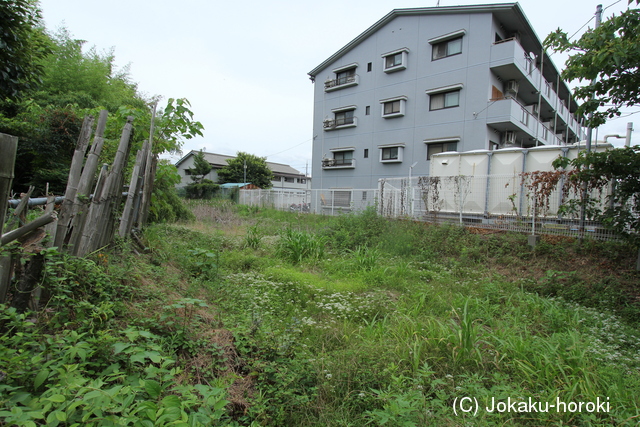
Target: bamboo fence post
18 215
25 229
147 179
66 210
73 230
134 185
80 219
100 216
8 148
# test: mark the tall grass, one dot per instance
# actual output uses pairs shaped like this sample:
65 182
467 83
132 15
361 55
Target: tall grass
356 320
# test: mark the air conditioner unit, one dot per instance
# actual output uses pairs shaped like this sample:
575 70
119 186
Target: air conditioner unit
509 138
512 86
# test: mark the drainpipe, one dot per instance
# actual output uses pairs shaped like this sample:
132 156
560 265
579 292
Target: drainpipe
565 151
487 191
524 169
540 88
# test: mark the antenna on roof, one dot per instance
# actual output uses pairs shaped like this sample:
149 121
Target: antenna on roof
438 3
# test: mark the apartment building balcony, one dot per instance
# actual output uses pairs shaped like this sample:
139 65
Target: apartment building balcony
509 115
338 163
341 82
339 123
511 62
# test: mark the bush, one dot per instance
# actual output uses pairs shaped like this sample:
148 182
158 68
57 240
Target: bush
203 190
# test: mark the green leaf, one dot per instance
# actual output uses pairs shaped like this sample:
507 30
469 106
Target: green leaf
40 378
152 388
57 398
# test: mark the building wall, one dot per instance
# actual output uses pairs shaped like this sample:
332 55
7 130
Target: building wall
478 121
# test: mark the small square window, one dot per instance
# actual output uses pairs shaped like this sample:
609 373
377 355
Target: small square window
393 107
447 48
393 60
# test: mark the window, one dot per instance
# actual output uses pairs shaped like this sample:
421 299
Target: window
393 107
367 110
447 48
342 158
438 101
369 67
395 60
366 153
391 153
441 145
344 77
440 148
343 117
187 172
524 116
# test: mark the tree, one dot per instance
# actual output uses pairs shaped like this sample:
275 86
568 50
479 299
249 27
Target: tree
201 167
257 171
22 45
606 60
621 168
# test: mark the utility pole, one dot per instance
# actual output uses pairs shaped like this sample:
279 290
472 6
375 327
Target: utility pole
585 195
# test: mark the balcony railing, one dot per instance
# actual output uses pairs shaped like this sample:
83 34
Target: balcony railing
338 163
341 82
338 123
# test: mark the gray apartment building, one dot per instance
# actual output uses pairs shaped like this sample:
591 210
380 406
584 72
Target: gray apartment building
422 81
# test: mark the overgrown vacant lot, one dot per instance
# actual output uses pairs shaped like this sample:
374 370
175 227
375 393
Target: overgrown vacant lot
247 317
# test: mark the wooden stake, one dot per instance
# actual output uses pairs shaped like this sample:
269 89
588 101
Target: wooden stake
66 210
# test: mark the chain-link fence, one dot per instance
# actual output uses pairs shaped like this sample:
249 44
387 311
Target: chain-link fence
537 202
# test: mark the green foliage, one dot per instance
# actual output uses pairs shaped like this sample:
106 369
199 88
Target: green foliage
76 366
205 189
297 246
87 79
607 58
257 171
22 45
351 230
166 206
620 167
201 167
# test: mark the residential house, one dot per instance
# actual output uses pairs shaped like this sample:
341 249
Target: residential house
423 81
284 176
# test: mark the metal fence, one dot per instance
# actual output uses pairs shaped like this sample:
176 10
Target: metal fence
536 203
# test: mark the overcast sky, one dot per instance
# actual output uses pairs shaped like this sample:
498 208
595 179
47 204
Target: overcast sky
243 66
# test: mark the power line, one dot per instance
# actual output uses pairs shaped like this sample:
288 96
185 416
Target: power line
290 148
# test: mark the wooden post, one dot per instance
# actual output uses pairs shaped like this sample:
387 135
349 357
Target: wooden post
126 222
25 229
18 215
28 281
75 171
148 176
98 225
8 148
73 230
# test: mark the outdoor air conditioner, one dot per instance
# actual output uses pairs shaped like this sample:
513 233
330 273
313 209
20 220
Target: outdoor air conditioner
509 138
512 86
